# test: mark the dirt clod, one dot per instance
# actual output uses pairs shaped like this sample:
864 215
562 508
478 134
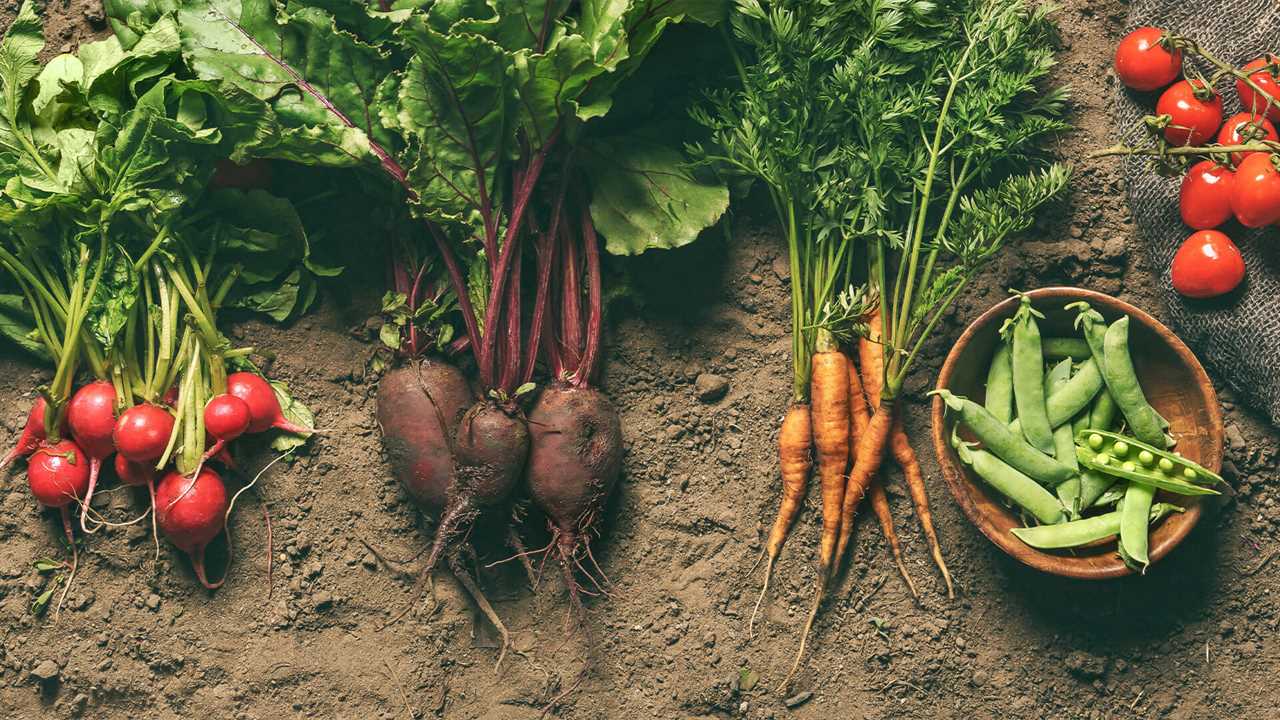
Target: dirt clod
710 387
46 672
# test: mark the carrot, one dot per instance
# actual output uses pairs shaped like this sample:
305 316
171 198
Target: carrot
829 413
879 501
795 456
871 351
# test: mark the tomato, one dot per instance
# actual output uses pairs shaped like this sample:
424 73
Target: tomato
1266 79
1205 197
1143 63
253 175
1192 121
1245 127
1255 191
1207 265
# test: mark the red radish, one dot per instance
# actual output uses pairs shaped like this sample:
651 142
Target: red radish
91 418
142 432
59 474
1265 78
419 408
1207 265
1143 63
264 407
1255 192
1243 128
170 396
1194 112
32 434
191 511
226 417
1204 200
138 474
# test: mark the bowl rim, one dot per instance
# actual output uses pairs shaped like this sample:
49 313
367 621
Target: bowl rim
962 487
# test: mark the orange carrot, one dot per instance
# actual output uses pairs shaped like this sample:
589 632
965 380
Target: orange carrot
795 456
879 501
872 354
829 410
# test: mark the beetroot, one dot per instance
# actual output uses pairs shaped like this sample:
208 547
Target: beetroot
191 511
419 408
33 434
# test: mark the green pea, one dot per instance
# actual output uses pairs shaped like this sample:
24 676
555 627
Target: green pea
1146 458
1101 459
1095 441
1128 466
1166 465
1120 449
1188 473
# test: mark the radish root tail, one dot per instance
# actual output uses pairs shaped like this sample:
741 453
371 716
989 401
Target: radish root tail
75 559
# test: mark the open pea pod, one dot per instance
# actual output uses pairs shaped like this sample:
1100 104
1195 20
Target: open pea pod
1127 458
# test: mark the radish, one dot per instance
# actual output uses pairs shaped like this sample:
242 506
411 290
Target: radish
33 434
58 475
226 417
91 418
142 432
418 410
264 407
191 511
137 474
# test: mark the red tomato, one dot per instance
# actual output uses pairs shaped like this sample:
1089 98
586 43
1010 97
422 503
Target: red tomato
1192 121
1205 197
1265 78
1255 191
1242 128
1143 63
253 175
1207 265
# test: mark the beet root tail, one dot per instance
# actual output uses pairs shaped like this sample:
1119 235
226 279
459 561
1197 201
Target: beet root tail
457 516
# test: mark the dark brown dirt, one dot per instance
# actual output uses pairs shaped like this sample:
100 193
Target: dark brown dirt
1196 638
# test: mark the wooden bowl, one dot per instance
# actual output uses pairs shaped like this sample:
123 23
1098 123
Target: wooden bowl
1172 379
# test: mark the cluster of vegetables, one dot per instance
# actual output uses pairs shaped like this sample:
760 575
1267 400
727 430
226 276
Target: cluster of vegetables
901 146
121 242
1047 442
1239 177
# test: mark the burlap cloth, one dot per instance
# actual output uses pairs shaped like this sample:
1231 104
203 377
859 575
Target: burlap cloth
1238 336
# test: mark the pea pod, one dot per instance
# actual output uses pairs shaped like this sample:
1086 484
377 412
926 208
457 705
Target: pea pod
1122 381
1082 532
1064 443
1071 397
1028 375
1091 324
1094 484
1022 490
1057 348
1103 411
1112 495
1011 448
1131 459
1134 529
999 395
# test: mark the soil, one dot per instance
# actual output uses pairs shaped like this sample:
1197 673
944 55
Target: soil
1195 638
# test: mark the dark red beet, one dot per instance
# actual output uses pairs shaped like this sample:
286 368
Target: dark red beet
412 402
490 449
191 512
575 455
32 434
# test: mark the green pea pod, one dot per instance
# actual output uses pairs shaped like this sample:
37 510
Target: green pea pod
1028 375
1011 448
1064 443
1022 490
1092 325
1057 348
1133 459
1074 395
1083 532
1112 495
1093 486
1081 422
1122 381
1103 411
999 394
1129 470
1134 529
